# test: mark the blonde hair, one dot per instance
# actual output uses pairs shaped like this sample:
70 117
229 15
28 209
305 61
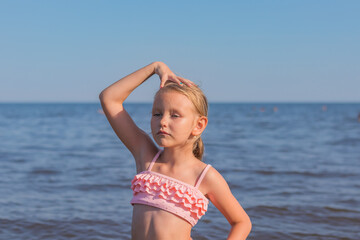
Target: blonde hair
198 98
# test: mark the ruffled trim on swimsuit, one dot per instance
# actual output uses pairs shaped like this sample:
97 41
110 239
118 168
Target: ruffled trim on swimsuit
187 196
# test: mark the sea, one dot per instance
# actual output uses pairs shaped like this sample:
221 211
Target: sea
293 167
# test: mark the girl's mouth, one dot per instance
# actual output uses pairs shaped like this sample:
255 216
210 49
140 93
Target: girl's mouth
162 132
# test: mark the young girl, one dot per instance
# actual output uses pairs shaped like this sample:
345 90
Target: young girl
172 187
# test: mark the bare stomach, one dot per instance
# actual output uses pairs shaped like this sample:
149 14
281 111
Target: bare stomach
151 223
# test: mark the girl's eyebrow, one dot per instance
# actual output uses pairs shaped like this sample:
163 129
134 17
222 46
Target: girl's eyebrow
175 110
155 109
158 108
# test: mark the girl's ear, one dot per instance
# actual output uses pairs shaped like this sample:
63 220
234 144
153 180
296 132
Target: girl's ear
200 126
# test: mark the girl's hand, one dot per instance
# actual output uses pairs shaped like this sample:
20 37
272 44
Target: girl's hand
166 74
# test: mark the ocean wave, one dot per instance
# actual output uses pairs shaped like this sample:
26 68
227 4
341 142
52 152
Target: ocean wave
100 187
306 173
345 141
76 228
44 171
336 210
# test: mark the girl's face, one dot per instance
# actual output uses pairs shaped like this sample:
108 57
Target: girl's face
173 120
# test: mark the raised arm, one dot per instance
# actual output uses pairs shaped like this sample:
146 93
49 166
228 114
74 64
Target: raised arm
112 98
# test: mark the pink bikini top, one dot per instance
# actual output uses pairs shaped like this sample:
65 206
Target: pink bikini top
167 193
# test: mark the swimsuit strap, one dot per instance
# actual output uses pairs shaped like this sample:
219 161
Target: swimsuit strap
154 159
202 175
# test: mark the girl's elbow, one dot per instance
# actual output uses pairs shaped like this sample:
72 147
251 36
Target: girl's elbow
245 224
104 97
101 96
249 225
244 221
248 222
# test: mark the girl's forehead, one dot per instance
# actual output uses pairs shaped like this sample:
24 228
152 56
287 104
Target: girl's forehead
171 99
169 96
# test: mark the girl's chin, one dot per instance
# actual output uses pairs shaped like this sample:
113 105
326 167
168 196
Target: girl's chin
163 144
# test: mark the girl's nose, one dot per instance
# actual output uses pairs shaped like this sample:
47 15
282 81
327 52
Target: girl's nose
163 121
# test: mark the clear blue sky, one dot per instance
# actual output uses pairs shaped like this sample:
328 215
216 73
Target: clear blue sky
238 51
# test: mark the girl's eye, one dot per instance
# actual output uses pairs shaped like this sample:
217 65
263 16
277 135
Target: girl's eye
175 115
156 114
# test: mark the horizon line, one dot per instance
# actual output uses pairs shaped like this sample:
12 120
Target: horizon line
210 102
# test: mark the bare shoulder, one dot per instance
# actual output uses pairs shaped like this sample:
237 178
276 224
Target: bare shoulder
212 175
213 182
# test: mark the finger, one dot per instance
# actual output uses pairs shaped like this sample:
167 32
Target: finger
179 81
174 79
187 81
163 81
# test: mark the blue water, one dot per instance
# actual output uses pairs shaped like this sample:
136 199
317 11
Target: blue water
65 175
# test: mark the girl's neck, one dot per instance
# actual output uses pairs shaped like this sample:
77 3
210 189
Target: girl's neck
178 156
